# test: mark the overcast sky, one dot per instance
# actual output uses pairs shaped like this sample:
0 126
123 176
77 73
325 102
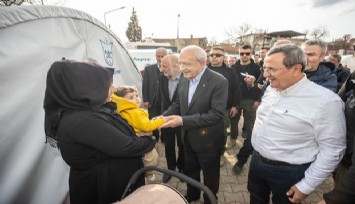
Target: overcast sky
210 18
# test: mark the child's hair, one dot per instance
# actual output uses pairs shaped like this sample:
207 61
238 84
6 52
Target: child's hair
123 90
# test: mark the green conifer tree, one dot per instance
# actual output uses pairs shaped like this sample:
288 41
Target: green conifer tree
134 31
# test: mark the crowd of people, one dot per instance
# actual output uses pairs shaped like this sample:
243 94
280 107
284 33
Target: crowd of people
297 129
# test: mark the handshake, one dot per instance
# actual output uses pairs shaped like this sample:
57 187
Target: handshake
171 121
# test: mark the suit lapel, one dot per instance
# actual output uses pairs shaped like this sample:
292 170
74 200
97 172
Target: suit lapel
165 87
200 87
183 94
175 93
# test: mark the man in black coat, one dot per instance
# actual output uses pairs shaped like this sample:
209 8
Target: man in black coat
168 92
341 72
248 72
199 108
217 65
262 55
150 86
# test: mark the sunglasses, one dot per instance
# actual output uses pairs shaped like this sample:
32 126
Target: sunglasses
216 55
244 54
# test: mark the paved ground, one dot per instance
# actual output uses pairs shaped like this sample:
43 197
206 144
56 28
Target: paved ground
233 189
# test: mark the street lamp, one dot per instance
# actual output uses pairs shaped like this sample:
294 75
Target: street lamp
107 12
178 26
177 34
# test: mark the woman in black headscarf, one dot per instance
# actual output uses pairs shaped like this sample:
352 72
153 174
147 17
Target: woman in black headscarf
98 145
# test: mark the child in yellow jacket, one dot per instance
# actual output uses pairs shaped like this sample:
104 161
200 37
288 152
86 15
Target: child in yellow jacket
128 106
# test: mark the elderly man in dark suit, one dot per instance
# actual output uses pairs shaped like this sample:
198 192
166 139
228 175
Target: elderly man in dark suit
150 86
168 84
199 108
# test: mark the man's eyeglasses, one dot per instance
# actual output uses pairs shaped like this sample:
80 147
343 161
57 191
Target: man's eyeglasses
272 70
216 55
244 54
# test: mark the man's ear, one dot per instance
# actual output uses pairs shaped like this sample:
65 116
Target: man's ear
322 57
297 68
202 64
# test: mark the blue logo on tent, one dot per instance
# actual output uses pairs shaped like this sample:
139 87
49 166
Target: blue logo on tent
117 71
107 49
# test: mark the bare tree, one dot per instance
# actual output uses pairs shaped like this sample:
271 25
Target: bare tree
259 38
346 37
212 42
319 32
236 34
243 29
232 34
341 43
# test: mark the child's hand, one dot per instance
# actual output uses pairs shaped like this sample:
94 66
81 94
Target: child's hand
157 117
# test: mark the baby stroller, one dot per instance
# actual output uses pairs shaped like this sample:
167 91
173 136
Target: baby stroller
160 193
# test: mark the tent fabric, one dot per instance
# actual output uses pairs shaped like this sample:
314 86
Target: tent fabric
19 14
31 39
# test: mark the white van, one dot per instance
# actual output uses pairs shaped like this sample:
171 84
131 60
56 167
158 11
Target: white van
142 57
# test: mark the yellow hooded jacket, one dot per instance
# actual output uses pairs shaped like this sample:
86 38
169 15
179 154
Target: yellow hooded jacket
137 117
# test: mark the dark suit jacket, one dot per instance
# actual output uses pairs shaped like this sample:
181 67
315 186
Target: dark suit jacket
163 95
150 83
203 118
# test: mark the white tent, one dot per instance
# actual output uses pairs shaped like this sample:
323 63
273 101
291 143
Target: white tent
31 39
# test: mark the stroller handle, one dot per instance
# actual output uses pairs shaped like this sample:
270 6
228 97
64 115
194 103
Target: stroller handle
179 175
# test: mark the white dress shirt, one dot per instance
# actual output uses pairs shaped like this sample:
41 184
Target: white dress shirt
193 83
172 85
302 124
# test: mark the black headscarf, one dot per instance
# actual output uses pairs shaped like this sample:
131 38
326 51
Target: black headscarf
73 85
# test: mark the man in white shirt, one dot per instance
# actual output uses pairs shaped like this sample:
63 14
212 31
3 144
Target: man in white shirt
299 132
